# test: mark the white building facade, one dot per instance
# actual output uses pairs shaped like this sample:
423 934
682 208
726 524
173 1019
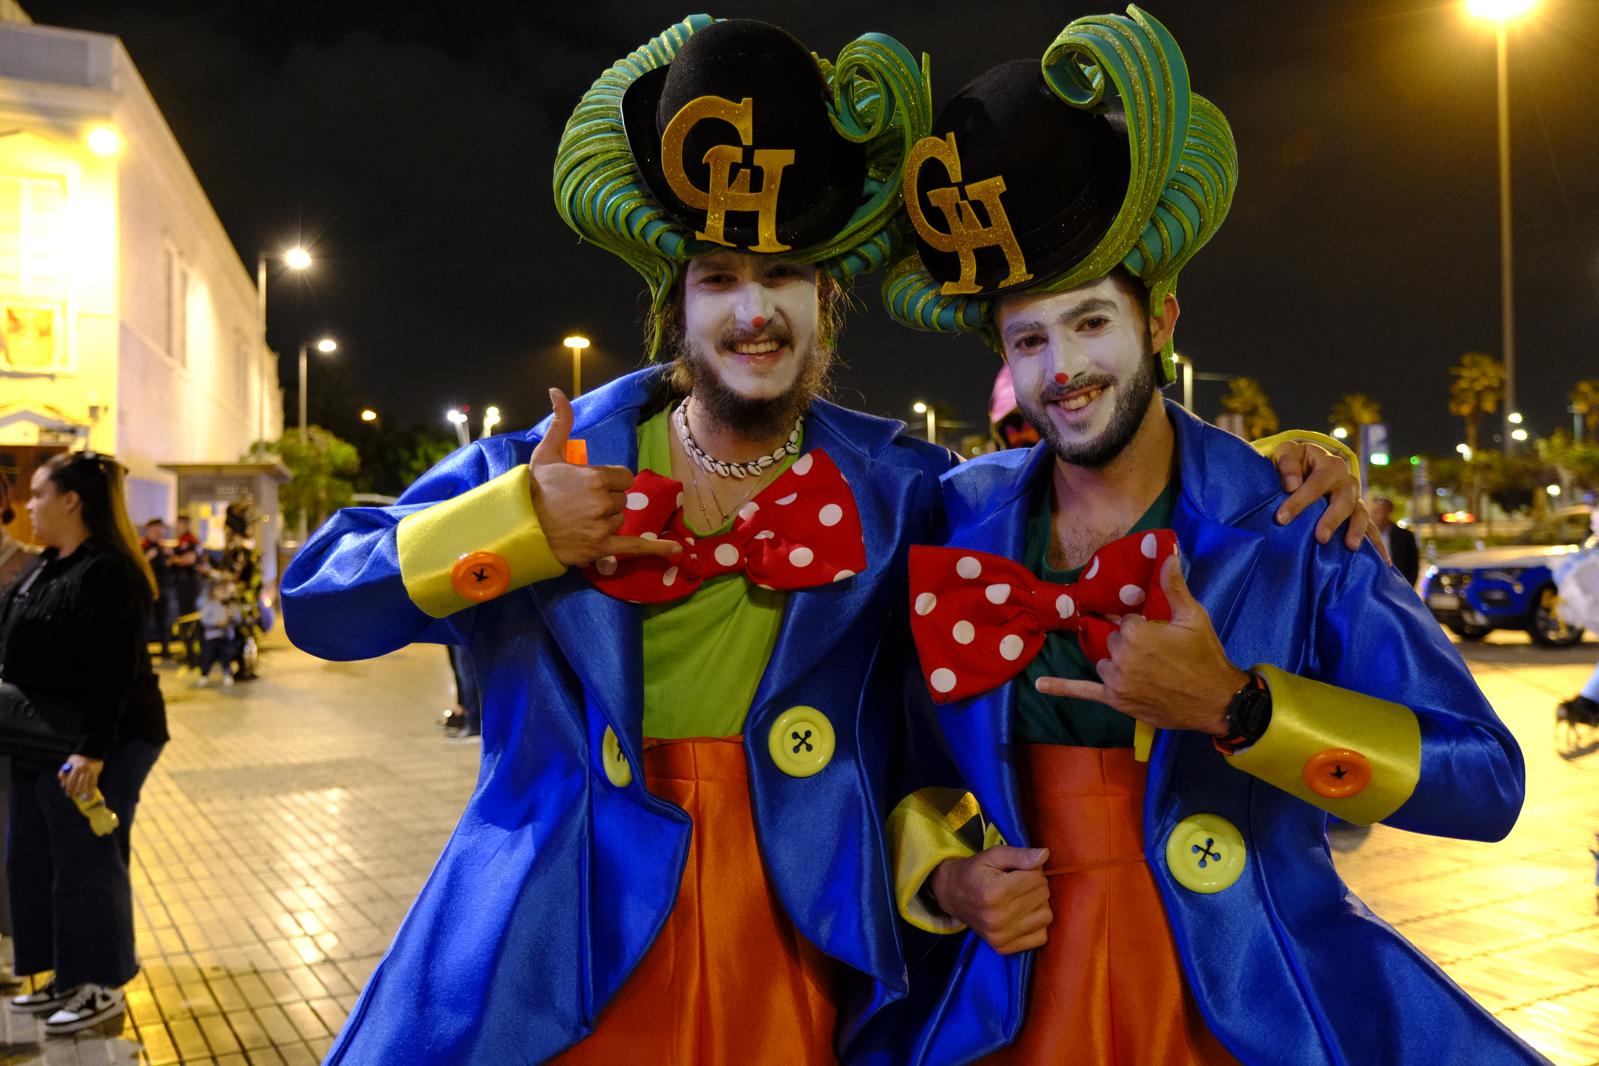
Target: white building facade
128 323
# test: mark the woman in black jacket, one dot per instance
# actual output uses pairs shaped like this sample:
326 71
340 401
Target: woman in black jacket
72 633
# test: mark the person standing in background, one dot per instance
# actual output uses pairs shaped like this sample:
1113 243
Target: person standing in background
14 559
156 554
1400 542
72 634
185 564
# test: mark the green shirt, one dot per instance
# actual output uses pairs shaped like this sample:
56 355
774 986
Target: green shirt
704 656
1044 719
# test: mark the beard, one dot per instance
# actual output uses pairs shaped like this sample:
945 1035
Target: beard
1132 403
756 418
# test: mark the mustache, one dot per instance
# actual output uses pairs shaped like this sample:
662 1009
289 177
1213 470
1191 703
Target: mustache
772 331
1054 391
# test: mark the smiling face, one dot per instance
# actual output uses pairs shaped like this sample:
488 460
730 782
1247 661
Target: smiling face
1084 365
752 339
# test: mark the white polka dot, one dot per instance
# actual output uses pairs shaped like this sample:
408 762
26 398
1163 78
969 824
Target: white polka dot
1148 546
942 680
786 500
969 568
647 535
727 555
925 604
831 515
688 540
607 565
801 556
1064 604
1011 647
747 512
765 534
1101 666
670 577
637 501
843 575
802 465
1093 567
964 632
997 593
1132 595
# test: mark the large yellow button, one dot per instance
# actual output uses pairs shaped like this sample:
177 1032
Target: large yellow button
1205 853
617 771
801 741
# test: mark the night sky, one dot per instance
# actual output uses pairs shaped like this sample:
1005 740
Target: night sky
411 145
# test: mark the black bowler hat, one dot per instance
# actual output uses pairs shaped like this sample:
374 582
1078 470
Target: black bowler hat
1064 171
715 70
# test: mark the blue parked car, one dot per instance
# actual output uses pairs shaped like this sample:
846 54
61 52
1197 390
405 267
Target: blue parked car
1509 587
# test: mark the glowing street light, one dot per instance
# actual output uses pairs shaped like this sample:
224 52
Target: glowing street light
1515 418
1500 12
1518 434
368 415
932 419
1553 490
1465 451
327 345
577 342
457 418
104 141
1340 432
491 418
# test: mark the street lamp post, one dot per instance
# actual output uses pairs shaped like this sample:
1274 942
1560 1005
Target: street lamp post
296 258
1501 12
577 342
491 418
932 419
326 345
457 418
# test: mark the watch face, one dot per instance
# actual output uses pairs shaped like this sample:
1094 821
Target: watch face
1252 713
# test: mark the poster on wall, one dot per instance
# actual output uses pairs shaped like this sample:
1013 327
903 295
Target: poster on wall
29 338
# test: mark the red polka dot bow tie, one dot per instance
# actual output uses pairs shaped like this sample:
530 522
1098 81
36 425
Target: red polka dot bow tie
800 531
979 619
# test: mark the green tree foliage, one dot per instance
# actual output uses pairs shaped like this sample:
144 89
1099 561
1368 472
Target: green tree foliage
1353 410
1477 383
321 466
1585 398
1576 463
1246 397
393 458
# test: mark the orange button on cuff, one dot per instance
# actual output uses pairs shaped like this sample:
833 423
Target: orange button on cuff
480 576
1337 773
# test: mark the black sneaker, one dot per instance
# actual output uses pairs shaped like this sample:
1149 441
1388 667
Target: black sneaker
41 1000
1578 709
89 1005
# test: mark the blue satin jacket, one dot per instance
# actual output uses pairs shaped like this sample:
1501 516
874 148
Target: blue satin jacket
1286 964
556 882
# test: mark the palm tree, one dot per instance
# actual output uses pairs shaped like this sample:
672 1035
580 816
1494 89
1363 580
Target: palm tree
1245 397
1585 398
1477 385
1353 410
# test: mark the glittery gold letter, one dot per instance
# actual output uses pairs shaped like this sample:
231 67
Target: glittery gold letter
727 191
967 233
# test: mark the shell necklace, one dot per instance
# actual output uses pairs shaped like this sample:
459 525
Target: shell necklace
711 465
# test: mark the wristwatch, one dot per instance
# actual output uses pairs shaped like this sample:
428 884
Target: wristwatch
1248 715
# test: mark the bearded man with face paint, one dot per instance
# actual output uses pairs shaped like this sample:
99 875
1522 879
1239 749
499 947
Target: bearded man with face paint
1144 694
675 592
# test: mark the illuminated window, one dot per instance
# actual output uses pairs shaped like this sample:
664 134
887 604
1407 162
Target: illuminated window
177 332
33 283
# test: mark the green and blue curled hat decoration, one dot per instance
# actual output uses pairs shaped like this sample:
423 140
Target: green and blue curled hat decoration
730 134
1040 177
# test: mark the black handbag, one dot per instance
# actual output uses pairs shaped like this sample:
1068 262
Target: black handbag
35 733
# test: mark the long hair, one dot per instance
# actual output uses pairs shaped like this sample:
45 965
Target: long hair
97 479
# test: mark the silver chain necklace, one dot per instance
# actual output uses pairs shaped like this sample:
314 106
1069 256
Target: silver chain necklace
752 468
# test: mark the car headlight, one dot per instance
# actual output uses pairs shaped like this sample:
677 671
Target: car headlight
1509 575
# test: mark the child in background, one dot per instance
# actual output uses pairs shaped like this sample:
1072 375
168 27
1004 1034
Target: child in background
218 628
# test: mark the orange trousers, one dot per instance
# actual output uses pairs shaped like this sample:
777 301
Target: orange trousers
1107 986
729 979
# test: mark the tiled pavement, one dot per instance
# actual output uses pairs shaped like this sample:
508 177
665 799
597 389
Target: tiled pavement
292 820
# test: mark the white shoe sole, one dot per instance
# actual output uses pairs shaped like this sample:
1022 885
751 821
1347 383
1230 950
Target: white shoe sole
86 1021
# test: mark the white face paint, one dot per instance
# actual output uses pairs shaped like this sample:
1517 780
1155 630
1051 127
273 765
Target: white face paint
752 319
1076 359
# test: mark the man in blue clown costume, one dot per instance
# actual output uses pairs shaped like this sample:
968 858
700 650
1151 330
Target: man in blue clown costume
1094 897
674 591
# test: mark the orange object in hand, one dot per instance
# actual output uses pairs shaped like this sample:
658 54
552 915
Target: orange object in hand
577 452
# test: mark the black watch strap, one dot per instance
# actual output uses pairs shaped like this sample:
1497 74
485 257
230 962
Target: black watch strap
1248 715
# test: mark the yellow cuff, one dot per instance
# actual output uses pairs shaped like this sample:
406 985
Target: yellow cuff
495 524
923 831
1266 445
1353 755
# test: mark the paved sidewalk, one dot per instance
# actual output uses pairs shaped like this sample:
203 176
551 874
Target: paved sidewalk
292 821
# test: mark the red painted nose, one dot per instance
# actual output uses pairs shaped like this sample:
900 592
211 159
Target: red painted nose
1060 379
759 321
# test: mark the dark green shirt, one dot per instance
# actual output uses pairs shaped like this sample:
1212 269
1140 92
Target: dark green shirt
1044 719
